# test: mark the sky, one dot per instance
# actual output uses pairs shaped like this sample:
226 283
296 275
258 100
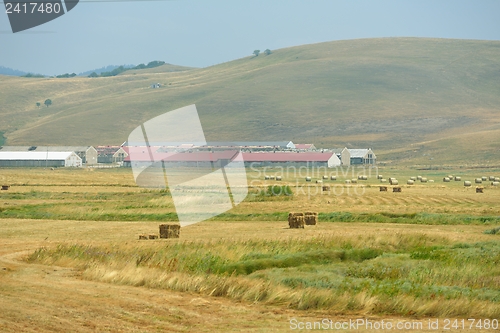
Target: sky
208 32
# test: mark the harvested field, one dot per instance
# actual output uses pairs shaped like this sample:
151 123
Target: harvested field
82 240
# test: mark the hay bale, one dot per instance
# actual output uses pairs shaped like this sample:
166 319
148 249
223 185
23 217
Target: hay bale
383 188
325 177
446 179
383 180
495 183
142 237
396 189
271 177
479 190
308 179
296 220
380 176
431 180
458 178
170 230
451 176
266 177
467 183
311 218
484 178
419 178
278 178
410 182
415 178
347 181
326 188
333 177
393 181
478 180
491 178
365 178
497 179
319 181
354 181
153 236
5 187
423 180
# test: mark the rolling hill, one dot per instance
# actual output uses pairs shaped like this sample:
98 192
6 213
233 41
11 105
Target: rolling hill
413 100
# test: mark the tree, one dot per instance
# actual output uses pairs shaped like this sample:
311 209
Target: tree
38 104
256 52
93 74
267 52
47 102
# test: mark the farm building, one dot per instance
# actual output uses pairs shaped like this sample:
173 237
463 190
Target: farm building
88 154
360 156
39 159
343 154
308 159
143 158
110 154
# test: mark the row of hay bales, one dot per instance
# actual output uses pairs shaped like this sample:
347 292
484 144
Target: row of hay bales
298 220
319 181
166 231
272 178
395 189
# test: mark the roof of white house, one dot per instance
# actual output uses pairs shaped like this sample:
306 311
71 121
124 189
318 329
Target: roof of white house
35 155
358 152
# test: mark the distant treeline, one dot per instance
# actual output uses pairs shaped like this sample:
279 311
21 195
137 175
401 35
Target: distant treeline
33 75
113 72
122 69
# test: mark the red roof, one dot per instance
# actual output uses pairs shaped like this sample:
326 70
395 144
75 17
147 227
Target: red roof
144 156
287 157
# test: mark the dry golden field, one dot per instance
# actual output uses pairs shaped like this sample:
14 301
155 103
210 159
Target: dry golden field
71 260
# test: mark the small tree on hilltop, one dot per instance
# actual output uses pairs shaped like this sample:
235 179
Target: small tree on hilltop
267 52
38 104
256 52
47 102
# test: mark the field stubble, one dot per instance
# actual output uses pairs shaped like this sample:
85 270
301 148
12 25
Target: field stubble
412 267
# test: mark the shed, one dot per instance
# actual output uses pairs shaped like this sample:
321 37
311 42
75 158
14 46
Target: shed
326 159
39 159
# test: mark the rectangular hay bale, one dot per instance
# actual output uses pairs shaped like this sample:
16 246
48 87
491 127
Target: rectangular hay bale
311 218
296 220
170 230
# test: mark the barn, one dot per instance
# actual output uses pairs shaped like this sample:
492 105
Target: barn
88 154
307 159
39 159
144 158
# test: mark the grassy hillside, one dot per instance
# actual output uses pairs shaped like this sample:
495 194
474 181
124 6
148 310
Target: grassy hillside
413 100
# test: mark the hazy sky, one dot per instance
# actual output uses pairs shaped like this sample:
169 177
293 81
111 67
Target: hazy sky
208 32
